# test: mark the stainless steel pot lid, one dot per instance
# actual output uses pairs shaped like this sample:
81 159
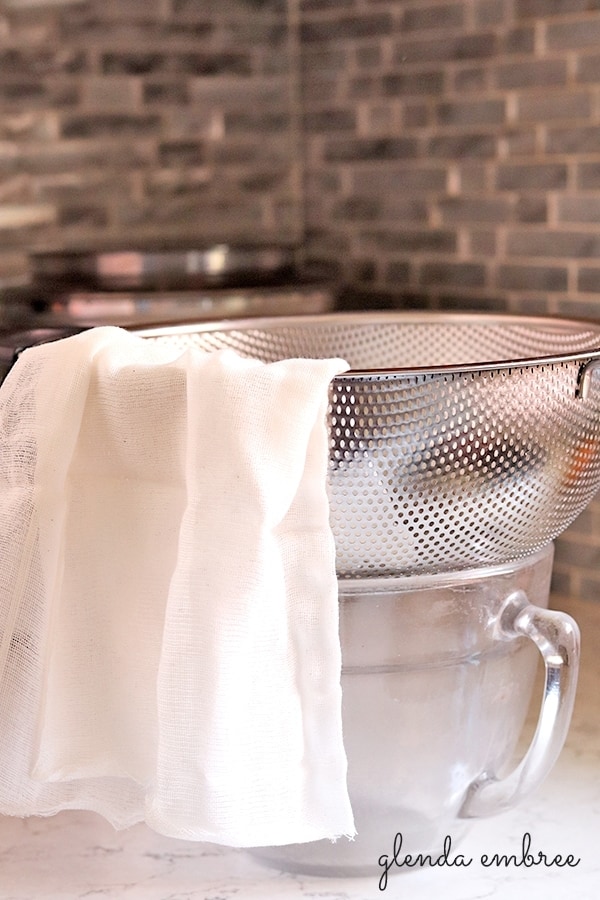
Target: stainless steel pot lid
218 265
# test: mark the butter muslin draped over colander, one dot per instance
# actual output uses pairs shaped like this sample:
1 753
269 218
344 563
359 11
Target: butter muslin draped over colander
169 645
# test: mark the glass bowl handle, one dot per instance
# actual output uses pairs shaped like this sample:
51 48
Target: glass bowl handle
556 635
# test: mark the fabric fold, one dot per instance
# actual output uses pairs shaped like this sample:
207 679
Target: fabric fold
169 646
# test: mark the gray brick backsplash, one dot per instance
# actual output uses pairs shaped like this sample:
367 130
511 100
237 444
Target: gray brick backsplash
581 33
491 12
517 41
546 243
548 8
531 73
588 175
462 146
454 47
398 273
468 275
471 79
475 209
471 112
532 278
482 242
437 153
365 149
576 140
347 27
166 92
588 69
403 84
324 120
110 124
579 208
528 177
531 208
543 107
440 16
588 280
411 240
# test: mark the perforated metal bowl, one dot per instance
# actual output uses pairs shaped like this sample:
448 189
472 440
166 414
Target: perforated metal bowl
456 440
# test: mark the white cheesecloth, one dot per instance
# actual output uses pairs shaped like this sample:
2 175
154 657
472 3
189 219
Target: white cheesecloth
169 647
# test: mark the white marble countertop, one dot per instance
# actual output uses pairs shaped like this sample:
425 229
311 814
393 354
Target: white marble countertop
78 855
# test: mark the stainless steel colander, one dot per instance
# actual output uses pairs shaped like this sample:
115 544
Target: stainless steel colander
456 440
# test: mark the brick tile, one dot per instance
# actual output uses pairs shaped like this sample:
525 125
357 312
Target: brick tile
323 59
579 208
369 57
566 244
473 178
574 35
472 78
532 73
363 270
344 27
327 120
491 12
115 92
518 41
12 264
590 589
165 92
415 115
475 209
588 69
541 9
116 155
462 146
578 307
35 94
472 275
171 182
544 176
561 584
588 280
256 120
569 552
521 141
475 301
483 242
398 273
588 175
202 9
413 240
474 112
407 83
14 216
574 140
532 278
393 179
98 125
83 214
181 153
439 16
357 209
451 48
405 209
133 63
361 87
554 105
531 208
40 61
364 149
319 5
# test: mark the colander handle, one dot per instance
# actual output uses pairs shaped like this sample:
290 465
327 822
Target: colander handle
556 635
